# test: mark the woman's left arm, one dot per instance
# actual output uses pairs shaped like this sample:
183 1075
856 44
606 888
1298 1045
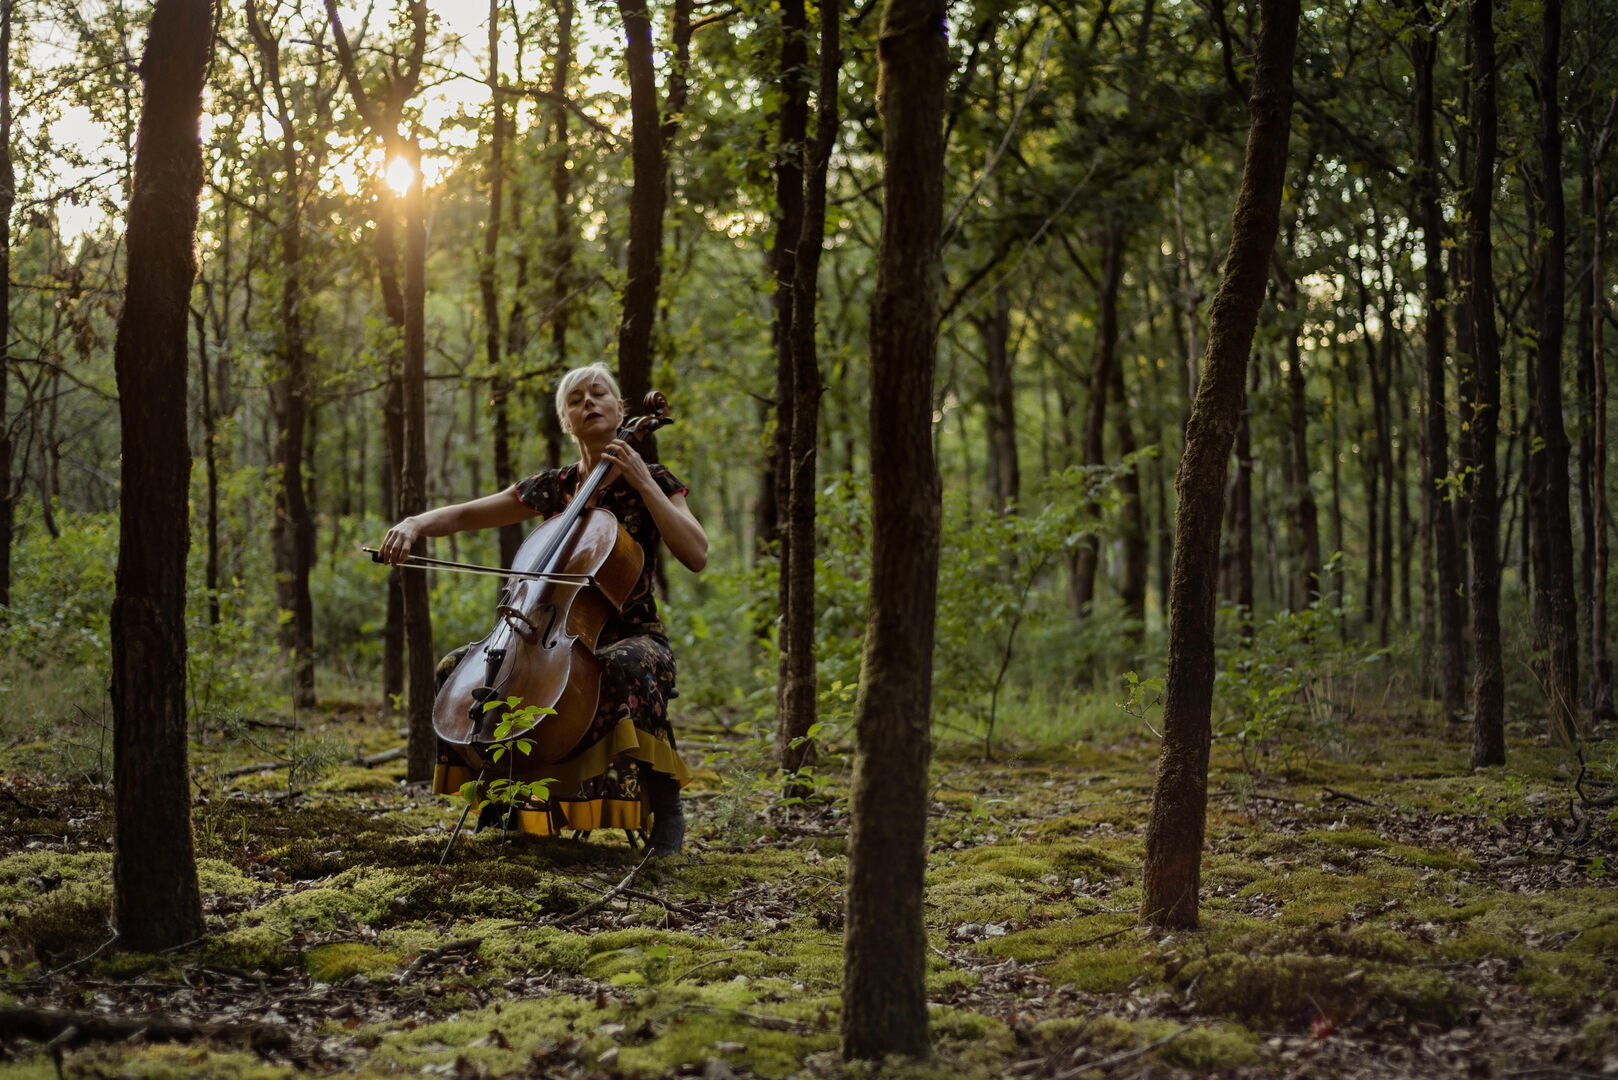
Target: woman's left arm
681 531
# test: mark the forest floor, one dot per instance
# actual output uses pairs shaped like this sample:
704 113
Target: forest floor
1378 911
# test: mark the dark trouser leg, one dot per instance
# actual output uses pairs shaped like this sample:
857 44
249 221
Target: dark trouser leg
668 817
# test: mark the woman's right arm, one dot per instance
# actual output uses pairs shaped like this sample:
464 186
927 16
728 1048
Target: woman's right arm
489 512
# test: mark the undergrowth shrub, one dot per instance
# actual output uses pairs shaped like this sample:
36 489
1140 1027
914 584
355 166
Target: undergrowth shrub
1284 694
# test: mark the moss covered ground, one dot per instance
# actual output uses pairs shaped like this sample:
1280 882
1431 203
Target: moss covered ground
1385 911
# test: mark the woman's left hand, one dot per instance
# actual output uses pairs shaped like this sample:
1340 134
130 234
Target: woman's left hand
629 463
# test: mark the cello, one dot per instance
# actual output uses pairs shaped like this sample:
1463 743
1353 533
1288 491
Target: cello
571 575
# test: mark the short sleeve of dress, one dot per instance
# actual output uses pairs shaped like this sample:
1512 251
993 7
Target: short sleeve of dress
542 492
666 480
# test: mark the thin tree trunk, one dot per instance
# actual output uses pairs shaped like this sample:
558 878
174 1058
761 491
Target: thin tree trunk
792 123
1556 624
885 944
798 696
994 329
1305 513
210 458
1136 547
1488 677
8 198
156 897
645 256
293 531
422 751
505 472
1174 831
1440 519
562 220
1601 696
1088 554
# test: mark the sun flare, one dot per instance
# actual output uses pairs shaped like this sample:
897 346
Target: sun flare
399 176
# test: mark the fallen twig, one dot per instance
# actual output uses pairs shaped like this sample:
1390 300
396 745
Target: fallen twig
62 1027
597 904
244 770
371 761
1331 794
1118 1059
427 956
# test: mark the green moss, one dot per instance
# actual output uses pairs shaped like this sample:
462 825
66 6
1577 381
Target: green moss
1425 995
1434 860
253 948
1599 1036
336 962
1208 1050
1352 839
1272 991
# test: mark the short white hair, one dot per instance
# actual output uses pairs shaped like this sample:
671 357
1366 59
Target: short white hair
574 378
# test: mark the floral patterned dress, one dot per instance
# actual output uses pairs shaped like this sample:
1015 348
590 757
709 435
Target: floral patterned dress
598 785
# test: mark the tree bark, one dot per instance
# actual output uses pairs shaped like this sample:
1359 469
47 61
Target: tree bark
8 198
1441 520
994 329
409 630
1174 831
293 530
1556 628
157 900
1088 554
792 125
645 255
798 695
1132 531
422 751
1601 696
1488 676
1305 512
499 382
885 945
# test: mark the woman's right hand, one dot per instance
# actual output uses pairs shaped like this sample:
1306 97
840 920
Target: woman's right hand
400 539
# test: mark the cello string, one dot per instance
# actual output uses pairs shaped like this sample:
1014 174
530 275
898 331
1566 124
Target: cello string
422 562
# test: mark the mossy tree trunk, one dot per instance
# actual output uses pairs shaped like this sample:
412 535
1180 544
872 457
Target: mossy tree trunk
885 945
157 900
1174 831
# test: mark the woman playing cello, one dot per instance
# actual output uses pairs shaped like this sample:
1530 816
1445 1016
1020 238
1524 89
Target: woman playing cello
628 750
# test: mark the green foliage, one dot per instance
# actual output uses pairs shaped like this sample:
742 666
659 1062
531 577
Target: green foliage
1283 694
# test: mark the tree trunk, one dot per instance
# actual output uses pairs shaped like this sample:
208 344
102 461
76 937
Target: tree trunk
798 695
792 123
562 221
1488 676
210 458
1441 520
994 329
1305 513
645 256
422 751
1556 628
885 944
293 531
1088 553
505 472
1174 831
157 900
1136 546
1601 696
8 198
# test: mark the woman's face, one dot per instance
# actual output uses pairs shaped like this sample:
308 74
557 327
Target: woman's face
593 411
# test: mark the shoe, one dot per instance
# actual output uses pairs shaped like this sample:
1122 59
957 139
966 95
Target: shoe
668 816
